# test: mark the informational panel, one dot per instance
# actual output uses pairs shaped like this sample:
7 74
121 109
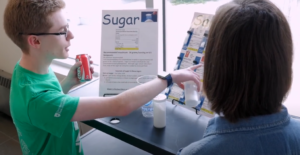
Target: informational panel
193 52
129 48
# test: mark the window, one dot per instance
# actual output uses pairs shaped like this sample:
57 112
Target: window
85 22
291 8
179 14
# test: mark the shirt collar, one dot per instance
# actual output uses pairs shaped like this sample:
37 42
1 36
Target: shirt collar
220 125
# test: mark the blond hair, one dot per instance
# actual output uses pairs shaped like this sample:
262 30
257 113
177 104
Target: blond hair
28 16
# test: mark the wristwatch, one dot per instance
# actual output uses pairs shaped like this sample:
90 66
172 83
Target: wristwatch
167 77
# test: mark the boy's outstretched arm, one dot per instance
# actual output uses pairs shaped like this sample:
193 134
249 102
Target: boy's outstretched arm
130 100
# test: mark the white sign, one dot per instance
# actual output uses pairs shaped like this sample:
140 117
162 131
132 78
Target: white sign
193 52
129 48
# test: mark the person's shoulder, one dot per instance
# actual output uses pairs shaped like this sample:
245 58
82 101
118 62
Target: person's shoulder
20 80
295 120
17 72
206 145
219 144
294 124
27 79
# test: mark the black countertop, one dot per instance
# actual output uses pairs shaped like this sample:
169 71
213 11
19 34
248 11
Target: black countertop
182 126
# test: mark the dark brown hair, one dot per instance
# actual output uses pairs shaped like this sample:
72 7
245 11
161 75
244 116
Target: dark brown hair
248 59
28 16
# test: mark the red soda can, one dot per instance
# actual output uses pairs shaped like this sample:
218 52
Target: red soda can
84 72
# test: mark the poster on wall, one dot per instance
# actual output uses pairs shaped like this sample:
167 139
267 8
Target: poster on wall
129 48
192 53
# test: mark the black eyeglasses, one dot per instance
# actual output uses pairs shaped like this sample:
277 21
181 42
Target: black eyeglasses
40 34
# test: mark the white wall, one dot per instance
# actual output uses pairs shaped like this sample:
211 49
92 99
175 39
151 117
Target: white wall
9 52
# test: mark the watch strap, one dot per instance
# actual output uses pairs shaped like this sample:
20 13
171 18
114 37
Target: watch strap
169 79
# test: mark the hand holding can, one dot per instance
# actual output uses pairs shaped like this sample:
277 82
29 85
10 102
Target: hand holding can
84 72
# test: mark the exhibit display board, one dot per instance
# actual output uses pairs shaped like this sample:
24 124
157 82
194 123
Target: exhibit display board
192 53
129 48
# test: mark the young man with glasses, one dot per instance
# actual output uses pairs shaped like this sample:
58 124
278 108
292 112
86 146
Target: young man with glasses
42 112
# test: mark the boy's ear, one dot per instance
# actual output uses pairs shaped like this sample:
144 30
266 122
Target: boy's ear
33 41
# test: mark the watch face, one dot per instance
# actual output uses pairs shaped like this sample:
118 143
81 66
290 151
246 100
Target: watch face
162 73
161 77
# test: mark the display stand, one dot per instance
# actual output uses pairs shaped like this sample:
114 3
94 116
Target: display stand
193 53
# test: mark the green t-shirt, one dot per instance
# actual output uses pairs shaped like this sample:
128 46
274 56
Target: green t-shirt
42 114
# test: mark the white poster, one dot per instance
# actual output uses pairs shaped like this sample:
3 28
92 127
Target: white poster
193 52
129 48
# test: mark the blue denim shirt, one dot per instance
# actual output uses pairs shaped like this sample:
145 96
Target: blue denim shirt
275 134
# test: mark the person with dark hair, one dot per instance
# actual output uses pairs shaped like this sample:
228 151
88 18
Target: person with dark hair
247 76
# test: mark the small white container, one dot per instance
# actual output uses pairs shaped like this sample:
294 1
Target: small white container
159 111
191 94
